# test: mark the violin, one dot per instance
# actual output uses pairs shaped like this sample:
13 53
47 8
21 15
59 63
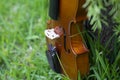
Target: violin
67 52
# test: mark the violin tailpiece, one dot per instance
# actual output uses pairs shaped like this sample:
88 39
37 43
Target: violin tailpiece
53 60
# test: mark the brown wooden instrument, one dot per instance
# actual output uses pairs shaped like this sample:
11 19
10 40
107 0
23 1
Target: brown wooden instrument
70 46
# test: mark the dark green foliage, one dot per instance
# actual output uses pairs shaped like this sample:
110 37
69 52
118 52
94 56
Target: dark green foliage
103 39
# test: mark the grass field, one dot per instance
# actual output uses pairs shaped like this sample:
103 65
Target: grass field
22 40
22 45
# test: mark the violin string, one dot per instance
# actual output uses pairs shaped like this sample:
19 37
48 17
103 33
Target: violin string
62 65
52 24
73 35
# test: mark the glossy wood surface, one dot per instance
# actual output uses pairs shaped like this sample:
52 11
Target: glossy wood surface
71 19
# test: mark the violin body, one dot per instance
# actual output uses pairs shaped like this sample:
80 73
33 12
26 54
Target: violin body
70 46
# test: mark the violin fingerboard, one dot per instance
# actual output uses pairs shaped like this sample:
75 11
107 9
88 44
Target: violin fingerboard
54 9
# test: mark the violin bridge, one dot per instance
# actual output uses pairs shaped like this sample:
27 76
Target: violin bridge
54 32
50 33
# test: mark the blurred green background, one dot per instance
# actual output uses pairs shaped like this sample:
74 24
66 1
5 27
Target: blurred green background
22 40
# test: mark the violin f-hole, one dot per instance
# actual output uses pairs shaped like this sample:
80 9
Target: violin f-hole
65 46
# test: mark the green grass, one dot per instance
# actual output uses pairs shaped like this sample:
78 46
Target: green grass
22 40
100 67
22 45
